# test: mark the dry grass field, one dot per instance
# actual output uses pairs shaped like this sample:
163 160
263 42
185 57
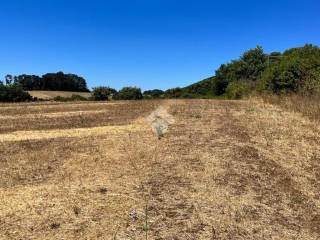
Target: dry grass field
223 170
48 95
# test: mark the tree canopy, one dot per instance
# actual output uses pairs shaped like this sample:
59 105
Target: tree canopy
297 70
155 93
13 93
51 82
103 93
129 93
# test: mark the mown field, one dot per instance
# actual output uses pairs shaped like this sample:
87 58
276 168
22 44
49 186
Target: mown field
49 95
224 170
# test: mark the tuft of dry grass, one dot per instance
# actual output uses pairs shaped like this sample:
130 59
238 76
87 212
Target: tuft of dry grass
309 106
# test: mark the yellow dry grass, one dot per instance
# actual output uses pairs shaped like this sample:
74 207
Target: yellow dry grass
47 95
222 170
76 132
52 115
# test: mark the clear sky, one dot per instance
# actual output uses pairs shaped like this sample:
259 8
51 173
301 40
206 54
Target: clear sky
146 43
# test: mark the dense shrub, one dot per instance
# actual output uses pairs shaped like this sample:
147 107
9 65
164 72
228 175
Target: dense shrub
13 93
129 93
74 97
155 93
202 88
174 92
250 66
187 95
239 89
298 70
102 93
283 77
311 84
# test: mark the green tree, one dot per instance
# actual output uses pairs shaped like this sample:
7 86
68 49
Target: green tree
253 63
9 79
28 82
239 89
298 70
174 92
129 93
51 82
249 67
155 93
202 88
102 93
13 93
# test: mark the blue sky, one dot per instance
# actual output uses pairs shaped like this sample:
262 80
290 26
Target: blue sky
146 43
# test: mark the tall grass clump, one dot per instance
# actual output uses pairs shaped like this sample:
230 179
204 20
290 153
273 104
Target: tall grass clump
307 105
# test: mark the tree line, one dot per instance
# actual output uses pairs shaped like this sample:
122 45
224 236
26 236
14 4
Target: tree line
296 70
49 82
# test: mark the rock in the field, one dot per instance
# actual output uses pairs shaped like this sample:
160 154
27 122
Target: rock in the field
160 121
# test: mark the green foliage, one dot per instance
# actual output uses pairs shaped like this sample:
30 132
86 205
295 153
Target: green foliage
202 88
253 63
63 82
13 93
239 89
283 77
8 79
188 95
74 97
129 93
29 82
298 70
50 81
249 67
187 92
174 93
153 94
103 93
311 84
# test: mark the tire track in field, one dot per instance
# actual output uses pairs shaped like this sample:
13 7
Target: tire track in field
171 214
273 185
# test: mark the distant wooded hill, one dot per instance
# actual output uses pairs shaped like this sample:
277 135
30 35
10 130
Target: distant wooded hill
296 70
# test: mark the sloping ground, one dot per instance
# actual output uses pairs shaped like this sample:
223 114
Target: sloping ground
47 95
222 170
